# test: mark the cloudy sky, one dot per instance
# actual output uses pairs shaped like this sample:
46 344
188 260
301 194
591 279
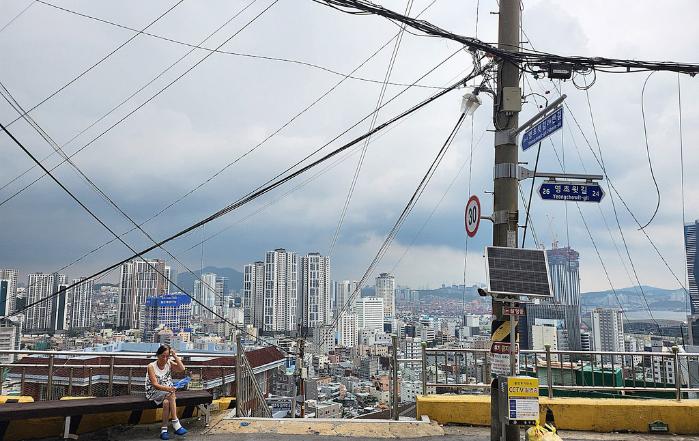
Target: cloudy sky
228 104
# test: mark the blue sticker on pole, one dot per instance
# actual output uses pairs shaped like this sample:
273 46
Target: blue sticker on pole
567 191
543 129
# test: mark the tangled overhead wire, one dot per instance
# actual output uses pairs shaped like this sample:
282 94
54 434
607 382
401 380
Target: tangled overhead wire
528 60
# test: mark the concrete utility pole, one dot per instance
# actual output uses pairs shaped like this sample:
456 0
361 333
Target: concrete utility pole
507 105
302 386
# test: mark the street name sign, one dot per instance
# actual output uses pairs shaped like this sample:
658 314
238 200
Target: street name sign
569 191
543 129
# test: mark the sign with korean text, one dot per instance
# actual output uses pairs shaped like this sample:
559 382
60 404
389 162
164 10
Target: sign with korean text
569 191
512 310
500 358
523 400
543 129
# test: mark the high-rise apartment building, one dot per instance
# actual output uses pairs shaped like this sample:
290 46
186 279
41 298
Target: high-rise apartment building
386 290
690 246
315 291
347 330
80 300
205 296
254 294
343 292
4 297
139 280
59 319
540 313
280 291
44 316
11 276
10 337
370 313
607 330
564 268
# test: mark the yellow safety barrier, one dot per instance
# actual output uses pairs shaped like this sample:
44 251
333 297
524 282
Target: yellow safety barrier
588 414
15 399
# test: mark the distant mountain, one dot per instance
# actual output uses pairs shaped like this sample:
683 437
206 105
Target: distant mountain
235 277
453 291
658 299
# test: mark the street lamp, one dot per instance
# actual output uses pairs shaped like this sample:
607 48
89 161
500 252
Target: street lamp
470 102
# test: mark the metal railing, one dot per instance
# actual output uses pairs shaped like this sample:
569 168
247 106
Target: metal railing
50 375
671 374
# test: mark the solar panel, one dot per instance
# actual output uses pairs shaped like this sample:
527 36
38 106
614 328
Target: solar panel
518 271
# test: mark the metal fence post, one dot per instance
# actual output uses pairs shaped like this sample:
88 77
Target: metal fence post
49 382
111 377
678 383
394 375
128 387
549 375
424 368
238 376
21 381
70 383
89 381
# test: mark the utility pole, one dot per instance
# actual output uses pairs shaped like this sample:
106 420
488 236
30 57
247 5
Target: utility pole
507 105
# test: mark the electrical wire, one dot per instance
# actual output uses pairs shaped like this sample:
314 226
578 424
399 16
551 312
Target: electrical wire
121 103
111 231
238 54
259 192
650 162
12 20
94 65
684 220
396 226
379 101
524 58
144 103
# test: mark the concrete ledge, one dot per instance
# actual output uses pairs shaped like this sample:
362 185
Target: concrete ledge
587 414
327 427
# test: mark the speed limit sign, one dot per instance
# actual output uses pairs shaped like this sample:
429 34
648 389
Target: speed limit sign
472 215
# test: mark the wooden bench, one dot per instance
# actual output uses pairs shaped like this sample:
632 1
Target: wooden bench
73 410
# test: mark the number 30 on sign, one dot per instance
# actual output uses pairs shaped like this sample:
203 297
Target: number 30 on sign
472 215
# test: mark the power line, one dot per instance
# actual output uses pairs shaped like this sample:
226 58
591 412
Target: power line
399 222
12 20
146 101
379 101
100 61
528 59
124 101
650 162
258 192
684 221
102 223
224 52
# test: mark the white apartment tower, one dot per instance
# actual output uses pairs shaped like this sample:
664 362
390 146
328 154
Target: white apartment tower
80 300
343 292
42 316
205 297
315 290
280 291
607 330
370 313
347 331
11 276
386 290
139 280
254 294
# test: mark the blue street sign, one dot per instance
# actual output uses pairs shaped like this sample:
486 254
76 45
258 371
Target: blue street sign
544 128
568 191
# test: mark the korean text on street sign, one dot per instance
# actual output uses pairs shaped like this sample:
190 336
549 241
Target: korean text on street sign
500 358
472 215
544 128
523 399
567 191
512 310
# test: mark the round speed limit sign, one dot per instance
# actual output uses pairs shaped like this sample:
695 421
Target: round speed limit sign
473 215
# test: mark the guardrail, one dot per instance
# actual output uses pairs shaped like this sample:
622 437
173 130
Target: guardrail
47 375
671 374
